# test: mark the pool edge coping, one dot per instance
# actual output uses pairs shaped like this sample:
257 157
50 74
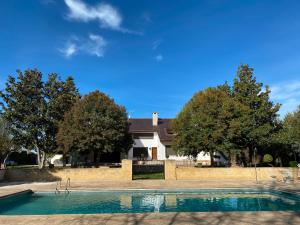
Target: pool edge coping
16 193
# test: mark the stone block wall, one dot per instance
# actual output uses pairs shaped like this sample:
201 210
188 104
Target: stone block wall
75 174
233 173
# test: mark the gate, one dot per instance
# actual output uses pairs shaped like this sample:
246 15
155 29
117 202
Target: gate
148 169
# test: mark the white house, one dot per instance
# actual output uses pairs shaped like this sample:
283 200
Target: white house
153 139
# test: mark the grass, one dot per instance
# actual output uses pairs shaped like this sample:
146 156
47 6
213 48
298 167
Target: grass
147 176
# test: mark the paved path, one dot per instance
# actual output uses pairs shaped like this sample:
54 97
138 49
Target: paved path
215 218
144 184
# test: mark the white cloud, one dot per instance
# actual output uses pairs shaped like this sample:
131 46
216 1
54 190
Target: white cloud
69 49
105 14
288 94
93 45
159 58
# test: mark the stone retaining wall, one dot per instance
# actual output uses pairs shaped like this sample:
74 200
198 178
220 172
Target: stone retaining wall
233 173
2 172
75 174
171 173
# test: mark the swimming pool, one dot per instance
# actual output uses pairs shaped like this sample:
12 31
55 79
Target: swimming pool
141 201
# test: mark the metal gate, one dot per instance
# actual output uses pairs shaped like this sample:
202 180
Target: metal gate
148 169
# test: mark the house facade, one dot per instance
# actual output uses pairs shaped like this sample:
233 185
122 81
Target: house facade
153 141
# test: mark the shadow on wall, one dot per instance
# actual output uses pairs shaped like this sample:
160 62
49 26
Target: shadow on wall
75 174
2 172
31 175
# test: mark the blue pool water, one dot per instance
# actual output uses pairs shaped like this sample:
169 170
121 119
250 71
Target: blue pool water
149 201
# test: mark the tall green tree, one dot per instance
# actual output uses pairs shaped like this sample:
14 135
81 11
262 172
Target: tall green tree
60 96
287 140
292 125
95 124
208 123
33 109
5 140
262 116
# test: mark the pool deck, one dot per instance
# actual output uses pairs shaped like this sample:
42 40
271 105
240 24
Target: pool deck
215 218
154 218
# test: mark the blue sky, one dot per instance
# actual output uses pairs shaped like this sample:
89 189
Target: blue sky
154 55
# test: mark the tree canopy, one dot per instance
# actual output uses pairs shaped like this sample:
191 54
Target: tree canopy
33 109
262 115
286 142
5 140
95 124
208 123
230 119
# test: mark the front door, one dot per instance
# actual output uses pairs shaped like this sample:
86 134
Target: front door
154 153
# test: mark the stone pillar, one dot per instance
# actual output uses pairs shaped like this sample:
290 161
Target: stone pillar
170 170
127 169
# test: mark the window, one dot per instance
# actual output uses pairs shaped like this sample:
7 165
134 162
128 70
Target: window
143 136
140 153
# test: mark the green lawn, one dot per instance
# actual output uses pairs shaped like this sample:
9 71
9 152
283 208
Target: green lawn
146 176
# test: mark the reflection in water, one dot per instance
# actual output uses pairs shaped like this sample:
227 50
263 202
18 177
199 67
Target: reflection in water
149 201
154 201
170 200
126 201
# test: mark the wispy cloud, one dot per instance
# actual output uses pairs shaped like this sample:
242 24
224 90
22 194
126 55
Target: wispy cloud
69 49
288 94
93 45
107 15
159 58
147 17
156 44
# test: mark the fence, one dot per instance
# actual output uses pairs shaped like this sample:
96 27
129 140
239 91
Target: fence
147 166
185 163
148 162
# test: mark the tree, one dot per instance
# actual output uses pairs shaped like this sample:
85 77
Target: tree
292 126
233 120
207 123
60 97
95 124
5 141
287 139
33 109
262 116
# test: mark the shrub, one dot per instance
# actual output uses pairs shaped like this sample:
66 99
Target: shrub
293 164
267 158
199 165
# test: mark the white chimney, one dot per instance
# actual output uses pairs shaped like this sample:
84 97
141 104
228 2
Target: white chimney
155 119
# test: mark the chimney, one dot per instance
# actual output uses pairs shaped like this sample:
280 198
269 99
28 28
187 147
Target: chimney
155 119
